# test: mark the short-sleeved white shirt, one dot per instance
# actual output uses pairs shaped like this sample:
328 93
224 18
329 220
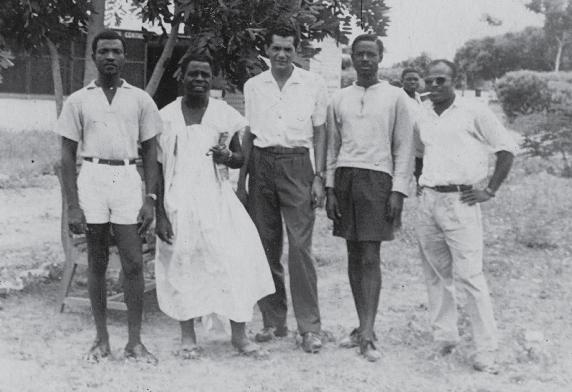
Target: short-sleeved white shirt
109 131
285 117
458 143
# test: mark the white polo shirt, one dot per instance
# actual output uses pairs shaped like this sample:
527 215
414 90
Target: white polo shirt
109 131
371 128
285 117
457 144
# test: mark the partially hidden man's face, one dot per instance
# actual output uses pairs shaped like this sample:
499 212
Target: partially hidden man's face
109 56
439 82
366 58
197 78
281 52
410 81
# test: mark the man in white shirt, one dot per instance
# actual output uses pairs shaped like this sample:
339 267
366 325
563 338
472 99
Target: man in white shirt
369 166
286 109
108 119
458 138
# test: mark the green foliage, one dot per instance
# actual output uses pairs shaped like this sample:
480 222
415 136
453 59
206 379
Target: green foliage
6 58
29 23
232 32
420 63
523 92
557 23
541 103
491 57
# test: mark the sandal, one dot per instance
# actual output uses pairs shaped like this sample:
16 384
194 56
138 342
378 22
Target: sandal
369 351
251 350
190 352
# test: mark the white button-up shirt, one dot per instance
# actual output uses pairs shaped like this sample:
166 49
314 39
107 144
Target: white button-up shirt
458 143
109 131
285 117
371 129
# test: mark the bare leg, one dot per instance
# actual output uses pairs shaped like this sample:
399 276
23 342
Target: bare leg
241 342
130 252
354 273
188 336
97 258
371 286
189 348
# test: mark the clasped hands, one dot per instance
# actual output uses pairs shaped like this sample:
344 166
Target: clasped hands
221 154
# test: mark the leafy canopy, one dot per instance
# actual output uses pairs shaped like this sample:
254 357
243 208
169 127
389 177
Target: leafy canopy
232 32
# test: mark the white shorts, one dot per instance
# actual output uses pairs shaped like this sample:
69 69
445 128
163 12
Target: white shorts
109 193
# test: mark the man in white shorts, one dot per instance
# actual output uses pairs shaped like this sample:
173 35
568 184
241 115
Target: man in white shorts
109 117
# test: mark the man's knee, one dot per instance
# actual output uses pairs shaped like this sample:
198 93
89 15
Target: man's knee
370 254
98 259
132 269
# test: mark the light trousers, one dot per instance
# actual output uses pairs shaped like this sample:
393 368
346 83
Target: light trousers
450 237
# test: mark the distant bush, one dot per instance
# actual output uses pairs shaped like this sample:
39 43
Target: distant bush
539 104
523 92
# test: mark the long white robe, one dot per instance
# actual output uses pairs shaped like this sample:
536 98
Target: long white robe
216 263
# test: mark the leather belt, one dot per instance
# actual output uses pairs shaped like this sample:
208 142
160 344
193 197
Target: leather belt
112 162
283 150
451 188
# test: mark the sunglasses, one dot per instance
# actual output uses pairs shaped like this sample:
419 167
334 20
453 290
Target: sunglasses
440 80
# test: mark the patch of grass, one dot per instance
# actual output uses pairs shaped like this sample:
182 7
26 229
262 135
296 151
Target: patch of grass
26 156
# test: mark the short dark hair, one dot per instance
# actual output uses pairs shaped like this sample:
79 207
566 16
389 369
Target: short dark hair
194 55
107 34
281 30
370 38
409 70
448 63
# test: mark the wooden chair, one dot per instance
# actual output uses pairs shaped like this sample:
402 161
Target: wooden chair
75 254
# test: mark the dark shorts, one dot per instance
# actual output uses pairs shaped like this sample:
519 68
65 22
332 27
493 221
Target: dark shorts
362 197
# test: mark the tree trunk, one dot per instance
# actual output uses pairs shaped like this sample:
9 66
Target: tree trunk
558 55
95 26
56 75
166 54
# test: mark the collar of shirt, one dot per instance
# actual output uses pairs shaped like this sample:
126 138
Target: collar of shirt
379 84
123 84
295 77
457 103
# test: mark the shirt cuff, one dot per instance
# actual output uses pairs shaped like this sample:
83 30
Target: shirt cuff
401 185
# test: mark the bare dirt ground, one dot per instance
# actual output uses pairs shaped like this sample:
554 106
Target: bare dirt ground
528 262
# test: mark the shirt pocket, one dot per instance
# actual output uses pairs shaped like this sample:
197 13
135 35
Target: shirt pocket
299 109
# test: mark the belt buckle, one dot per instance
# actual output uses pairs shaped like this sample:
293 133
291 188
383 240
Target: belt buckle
459 188
95 160
126 162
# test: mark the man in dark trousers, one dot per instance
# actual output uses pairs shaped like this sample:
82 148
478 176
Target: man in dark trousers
369 166
286 110
110 118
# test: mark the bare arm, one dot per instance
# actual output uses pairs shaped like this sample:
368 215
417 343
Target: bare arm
502 168
163 228
69 174
233 159
247 144
150 174
320 148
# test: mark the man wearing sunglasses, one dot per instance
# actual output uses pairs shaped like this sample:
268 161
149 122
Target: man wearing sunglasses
457 137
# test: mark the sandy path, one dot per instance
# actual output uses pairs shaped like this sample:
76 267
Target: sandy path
41 349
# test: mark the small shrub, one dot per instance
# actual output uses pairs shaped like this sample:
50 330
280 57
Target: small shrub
523 92
539 104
